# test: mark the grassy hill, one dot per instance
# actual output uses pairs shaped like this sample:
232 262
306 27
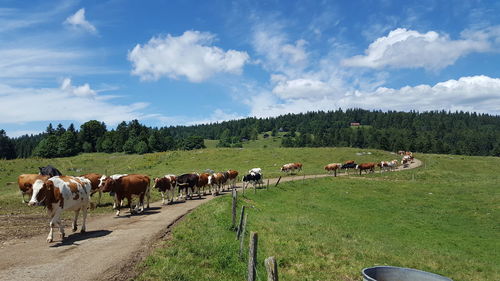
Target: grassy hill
441 218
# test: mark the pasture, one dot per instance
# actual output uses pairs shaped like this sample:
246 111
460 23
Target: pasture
443 217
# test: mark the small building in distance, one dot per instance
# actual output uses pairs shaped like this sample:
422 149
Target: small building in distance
355 124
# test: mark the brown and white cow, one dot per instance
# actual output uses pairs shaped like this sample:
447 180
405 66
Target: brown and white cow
115 177
370 166
166 185
126 187
216 181
333 167
202 184
26 181
61 193
95 180
387 165
231 178
291 167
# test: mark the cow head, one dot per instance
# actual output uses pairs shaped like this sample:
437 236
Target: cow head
40 191
108 185
161 183
101 181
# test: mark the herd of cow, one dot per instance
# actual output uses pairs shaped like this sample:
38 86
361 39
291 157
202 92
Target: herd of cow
370 166
60 193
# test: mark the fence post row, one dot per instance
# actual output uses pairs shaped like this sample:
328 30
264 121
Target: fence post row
242 237
252 256
277 182
238 232
233 208
271 268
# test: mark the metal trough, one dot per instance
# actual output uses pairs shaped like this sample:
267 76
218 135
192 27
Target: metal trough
392 273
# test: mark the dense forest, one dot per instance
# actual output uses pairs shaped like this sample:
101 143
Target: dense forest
431 132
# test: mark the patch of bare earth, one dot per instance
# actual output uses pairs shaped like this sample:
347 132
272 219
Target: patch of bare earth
21 226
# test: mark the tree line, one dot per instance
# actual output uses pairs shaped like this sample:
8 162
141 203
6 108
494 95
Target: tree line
429 132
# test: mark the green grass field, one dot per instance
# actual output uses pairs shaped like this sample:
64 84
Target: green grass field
442 218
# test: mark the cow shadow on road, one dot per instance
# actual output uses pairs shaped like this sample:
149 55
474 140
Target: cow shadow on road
150 211
76 237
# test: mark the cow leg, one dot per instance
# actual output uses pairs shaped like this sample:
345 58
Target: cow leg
84 219
118 202
141 203
22 196
131 200
75 226
162 198
56 220
50 237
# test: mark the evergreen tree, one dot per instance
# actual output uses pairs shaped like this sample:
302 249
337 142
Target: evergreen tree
7 147
90 132
47 148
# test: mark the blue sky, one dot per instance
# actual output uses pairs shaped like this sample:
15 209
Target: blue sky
187 62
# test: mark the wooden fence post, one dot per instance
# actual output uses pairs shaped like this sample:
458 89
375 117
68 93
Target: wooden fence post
252 256
233 225
277 182
271 268
267 184
242 236
238 232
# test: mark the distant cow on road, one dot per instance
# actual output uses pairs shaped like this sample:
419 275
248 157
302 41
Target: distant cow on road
291 167
188 182
366 167
347 166
253 178
127 186
333 167
166 186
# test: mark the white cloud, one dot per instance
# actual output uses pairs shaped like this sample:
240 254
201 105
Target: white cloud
278 52
217 116
190 55
79 91
403 48
473 94
302 88
68 102
78 20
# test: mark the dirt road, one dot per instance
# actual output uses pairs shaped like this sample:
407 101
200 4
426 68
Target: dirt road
108 251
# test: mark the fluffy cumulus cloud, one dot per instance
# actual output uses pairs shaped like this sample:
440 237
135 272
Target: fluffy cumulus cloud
68 102
302 88
474 94
403 48
278 53
79 91
78 20
190 55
